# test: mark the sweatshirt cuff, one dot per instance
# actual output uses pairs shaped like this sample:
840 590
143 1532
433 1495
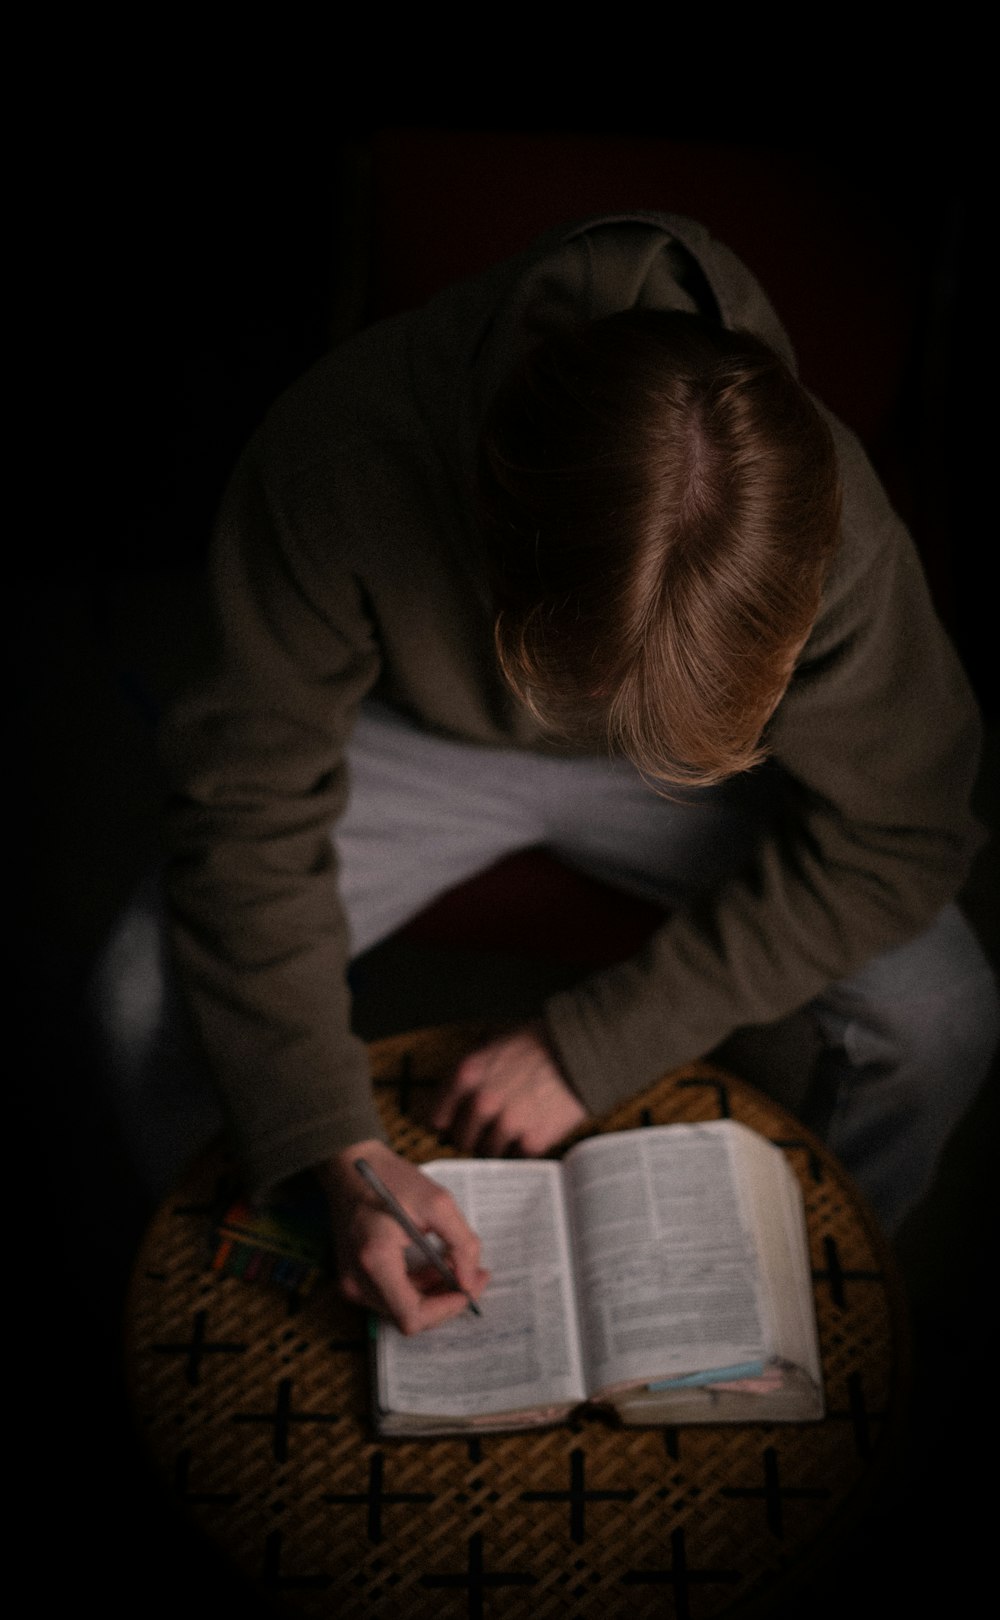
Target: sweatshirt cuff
608 1056
275 1159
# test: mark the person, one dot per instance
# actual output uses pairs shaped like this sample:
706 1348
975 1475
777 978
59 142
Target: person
569 556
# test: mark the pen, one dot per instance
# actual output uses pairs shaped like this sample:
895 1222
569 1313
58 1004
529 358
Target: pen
413 1232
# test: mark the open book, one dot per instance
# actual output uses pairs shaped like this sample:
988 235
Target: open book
661 1272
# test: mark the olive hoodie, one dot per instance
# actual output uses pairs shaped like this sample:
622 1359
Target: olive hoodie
347 562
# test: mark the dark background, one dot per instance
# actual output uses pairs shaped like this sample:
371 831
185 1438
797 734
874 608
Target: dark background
188 244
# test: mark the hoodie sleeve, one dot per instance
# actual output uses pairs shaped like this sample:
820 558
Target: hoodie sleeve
255 773
877 738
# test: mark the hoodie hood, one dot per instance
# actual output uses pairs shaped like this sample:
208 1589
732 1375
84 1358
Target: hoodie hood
571 275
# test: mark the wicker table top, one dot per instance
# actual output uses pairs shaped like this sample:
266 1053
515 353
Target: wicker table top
254 1407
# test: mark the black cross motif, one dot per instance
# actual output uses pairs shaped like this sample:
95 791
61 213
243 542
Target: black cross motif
577 1496
858 1415
407 1083
182 1469
375 1496
199 1346
282 1416
477 1579
678 1576
836 1276
272 1569
793 1144
773 1492
721 1094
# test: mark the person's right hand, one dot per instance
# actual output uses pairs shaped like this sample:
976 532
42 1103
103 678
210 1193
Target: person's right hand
371 1245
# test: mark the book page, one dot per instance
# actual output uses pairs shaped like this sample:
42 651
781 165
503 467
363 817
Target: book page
523 1351
777 1217
667 1273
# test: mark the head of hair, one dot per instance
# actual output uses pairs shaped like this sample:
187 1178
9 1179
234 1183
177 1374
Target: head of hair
661 500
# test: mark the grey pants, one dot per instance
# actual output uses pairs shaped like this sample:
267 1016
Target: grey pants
903 1045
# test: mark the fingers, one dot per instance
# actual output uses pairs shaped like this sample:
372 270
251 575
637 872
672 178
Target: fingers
486 1125
455 1094
414 1300
444 1217
508 1098
372 1246
485 1104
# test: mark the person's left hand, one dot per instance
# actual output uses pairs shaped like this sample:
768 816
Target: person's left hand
507 1097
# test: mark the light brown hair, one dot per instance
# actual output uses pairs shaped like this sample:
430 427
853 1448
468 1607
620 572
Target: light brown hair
661 499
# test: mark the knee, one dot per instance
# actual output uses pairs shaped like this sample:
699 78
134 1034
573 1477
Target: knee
906 1045
128 989
926 1013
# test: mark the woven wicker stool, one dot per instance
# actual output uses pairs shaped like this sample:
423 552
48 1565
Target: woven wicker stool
254 1406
